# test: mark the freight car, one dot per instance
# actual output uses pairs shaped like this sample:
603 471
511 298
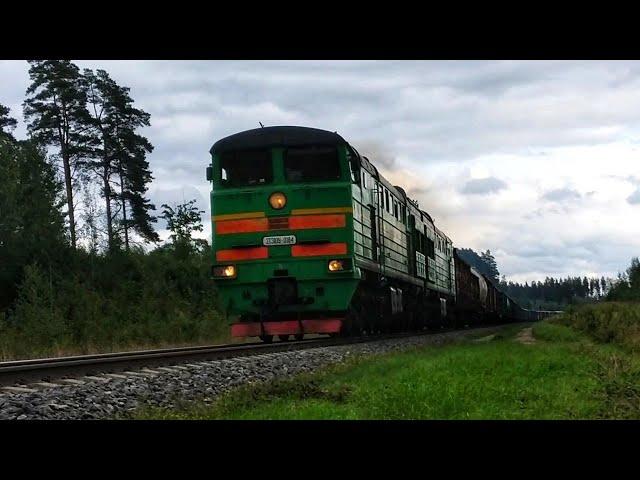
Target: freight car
308 237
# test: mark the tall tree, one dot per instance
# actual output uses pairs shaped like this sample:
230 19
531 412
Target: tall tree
99 90
119 157
122 155
492 265
7 123
57 113
135 175
633 274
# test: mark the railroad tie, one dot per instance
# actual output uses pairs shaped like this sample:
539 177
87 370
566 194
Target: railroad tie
21 389
44 384
138 374
103 379
70 381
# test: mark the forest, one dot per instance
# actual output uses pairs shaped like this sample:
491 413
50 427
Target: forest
557 293
83 269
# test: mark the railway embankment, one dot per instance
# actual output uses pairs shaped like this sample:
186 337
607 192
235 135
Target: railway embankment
584 364
177 386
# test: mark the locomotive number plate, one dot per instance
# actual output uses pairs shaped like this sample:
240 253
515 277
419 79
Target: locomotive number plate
279 240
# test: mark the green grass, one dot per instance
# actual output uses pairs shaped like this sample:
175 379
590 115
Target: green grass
564 375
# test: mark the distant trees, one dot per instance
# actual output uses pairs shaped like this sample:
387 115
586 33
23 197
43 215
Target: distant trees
627 286
554 292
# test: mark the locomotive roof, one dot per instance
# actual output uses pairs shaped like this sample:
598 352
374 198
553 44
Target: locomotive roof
285 136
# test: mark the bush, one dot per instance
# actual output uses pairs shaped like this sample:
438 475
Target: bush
607 322
110 302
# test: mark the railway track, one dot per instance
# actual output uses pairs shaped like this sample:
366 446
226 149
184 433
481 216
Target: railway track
24 372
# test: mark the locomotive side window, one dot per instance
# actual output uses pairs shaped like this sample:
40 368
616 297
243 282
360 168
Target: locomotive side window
246 167
312 164
430 248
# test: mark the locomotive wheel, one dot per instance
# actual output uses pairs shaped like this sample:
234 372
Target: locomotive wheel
354 314
266 338
283 338
299 336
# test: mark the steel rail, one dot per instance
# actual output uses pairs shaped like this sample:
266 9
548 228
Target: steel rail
47 369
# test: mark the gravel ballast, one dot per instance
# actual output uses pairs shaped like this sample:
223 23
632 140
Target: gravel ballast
114 395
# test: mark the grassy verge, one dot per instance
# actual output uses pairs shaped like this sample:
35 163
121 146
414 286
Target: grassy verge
563 375
608 322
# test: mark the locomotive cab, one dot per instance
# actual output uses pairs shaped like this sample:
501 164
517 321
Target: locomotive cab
282 228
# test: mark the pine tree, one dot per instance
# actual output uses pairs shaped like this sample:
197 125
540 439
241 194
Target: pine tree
492 266
135 175
56 108
633 274
98 88
120 157
7 124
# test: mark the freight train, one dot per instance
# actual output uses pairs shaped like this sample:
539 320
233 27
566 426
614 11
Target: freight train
309 238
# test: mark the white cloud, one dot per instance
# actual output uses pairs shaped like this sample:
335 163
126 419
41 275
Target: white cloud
483 186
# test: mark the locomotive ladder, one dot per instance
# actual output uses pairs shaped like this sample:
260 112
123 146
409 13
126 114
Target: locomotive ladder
379 222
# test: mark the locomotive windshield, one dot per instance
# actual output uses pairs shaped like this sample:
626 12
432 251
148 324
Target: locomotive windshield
246 167
312 164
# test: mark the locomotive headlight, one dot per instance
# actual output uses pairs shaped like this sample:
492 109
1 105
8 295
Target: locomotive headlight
277 200
224 271
336 265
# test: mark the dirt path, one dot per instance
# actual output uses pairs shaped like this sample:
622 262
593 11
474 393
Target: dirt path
525 336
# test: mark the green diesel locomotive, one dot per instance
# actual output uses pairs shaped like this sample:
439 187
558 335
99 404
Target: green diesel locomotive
308 237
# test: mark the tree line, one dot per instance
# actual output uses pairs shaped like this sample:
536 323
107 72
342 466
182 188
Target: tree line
74 217
555 293
627 285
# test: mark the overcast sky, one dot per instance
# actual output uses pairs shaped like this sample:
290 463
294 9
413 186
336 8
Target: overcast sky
537 161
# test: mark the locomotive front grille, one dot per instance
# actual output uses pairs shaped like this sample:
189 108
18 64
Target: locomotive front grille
278 223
